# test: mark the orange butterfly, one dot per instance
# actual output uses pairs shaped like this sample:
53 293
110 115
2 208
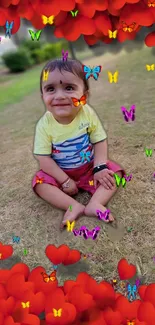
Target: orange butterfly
39 180
51 277
128 28
130 322
81 101
151 3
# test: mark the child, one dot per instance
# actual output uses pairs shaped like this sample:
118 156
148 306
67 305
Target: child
71 144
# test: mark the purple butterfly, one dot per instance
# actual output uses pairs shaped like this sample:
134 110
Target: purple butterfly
91 233
103 215
128 177
77 232
137 283
64 55
129 115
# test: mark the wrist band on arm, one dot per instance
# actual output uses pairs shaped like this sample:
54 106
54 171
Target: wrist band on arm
99 168
65 183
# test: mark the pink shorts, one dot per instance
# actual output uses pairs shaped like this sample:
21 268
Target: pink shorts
82 175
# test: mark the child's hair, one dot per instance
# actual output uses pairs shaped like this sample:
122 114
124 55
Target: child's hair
73 66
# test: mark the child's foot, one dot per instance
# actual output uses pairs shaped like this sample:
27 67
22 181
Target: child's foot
77 209
90 210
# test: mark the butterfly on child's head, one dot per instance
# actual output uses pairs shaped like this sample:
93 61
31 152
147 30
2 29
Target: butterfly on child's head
81 101
91 72
45 75
47 278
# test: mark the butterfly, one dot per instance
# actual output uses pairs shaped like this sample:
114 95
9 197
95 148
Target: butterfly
16 239
129 229
91 183
35 34
70 226
91 233
39 180
25 252
128 177
112 34
128 28
45 75
129 115
120 180
113 77
74 13
103 215
137 283
150 67
70 208
25 304
77 232
47 20
131 322
114 282
8 28
148 152
91 72
81 101
48 278
64 55
57 313
131 291
85 256
122 285
85 156
151 3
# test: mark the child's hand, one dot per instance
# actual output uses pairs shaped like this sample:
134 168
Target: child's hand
72 189
105 178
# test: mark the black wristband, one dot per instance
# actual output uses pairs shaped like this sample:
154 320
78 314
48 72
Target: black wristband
99 168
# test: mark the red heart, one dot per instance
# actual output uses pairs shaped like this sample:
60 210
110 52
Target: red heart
4 276
112 317
37 302
5 251
16 285
146 313
21 268
126 271
150 294
73 257
27 320
79 299
142 290
3 292
7 305
57 254
126 308
104 294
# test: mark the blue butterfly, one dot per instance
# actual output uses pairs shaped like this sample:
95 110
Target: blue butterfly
91 72
131 291
8 28
16 239
55 267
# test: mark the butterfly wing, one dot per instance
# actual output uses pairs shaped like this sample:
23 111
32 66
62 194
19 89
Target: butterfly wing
51 20
76 12
125 113
11 24
110 77
45 277
114 34
117 179
95 71
83 100
72 225
115 76
110 33
68 225
59 312
32 34
87 71
37 34
132 112
52 276
129 288
123 181
75 101
44 19
152 66
95 232
148 68
54 312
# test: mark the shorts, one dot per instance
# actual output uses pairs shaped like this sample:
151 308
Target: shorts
82 175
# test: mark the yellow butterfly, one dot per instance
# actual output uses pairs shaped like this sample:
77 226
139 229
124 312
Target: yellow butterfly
57 313
70 226
113 77
25 304
91 183
45 75
112 34
150 67
47 20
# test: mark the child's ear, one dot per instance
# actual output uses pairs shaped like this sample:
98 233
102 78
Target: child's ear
87 93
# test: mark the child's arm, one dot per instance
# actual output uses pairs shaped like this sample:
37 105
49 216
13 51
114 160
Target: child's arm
48 165
100 153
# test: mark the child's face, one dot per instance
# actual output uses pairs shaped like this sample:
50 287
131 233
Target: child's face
57 93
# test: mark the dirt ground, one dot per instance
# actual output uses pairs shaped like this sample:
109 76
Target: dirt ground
23 214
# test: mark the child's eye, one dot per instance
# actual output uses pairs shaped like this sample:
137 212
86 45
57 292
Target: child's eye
50 88
69 88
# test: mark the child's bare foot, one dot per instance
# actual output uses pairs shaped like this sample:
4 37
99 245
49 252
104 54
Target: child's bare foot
90 210
77 209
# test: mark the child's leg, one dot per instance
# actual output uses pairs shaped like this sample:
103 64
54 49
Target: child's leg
59 199
98 201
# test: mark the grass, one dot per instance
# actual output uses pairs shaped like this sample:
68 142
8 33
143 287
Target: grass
37 223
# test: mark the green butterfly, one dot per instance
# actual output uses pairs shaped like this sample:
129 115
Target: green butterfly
35 35
74 13
148 152
120 180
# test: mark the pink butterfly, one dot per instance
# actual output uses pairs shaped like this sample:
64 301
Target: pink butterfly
103 215
129 115
64 55
128 177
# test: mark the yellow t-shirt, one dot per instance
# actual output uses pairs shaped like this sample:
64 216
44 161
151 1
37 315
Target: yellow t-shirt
71 145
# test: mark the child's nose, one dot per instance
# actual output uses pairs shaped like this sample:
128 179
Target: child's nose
60 95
